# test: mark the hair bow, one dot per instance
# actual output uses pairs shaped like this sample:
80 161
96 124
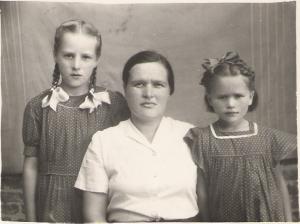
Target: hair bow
212 63
95 101
57 95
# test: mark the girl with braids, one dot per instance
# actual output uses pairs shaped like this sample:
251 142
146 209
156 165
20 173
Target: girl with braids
238 161
58 125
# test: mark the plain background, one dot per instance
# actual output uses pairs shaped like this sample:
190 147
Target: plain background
264 34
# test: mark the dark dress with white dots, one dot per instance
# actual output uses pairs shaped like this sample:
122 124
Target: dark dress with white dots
239 169
59 139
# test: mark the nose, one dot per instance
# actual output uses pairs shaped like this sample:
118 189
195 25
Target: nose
230 102
76 63
148 91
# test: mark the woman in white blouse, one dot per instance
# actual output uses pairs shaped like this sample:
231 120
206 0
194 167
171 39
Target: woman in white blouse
141 170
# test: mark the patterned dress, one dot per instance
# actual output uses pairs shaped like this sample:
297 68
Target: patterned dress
59 139
239 169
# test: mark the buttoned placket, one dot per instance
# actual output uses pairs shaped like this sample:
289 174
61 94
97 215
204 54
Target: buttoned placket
154 155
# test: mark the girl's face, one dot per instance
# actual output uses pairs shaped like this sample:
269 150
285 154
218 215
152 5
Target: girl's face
76 58
230 98
147 91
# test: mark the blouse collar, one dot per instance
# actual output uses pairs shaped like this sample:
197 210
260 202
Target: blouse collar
91 102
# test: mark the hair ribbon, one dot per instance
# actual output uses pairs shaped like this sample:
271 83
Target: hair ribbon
59 95
95 101
212 63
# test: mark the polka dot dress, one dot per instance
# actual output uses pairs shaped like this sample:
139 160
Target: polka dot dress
59 140
239 168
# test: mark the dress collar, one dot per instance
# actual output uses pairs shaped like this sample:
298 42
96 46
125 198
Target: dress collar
91 102
229 135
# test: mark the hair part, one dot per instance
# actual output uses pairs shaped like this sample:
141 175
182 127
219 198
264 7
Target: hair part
146 57
77 26
229 68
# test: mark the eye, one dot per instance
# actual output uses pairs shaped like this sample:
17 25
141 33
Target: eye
68 56
222 97
159 85
86 57
238 96
139 84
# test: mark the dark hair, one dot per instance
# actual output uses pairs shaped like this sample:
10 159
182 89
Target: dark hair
145 57
229 65
75 26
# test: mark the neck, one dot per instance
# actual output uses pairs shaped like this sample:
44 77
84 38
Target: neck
147 128
243 125
75 91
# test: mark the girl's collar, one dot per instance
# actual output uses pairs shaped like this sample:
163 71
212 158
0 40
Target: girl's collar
253 130
91 102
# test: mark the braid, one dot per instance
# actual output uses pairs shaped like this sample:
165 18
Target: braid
56 76
92 83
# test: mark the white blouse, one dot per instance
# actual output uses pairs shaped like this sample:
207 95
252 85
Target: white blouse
143 181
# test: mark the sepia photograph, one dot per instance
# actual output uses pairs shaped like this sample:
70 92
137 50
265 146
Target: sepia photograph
151 111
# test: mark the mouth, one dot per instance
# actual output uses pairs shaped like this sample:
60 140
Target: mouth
231 113
75 75
148 104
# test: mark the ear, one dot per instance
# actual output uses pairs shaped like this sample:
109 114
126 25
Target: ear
124 87
208 99
251 97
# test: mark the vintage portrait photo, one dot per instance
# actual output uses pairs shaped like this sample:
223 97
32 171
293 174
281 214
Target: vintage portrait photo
149 111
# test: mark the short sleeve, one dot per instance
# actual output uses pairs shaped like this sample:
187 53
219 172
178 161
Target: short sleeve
92 175
194 140
31 129
119 107
282 144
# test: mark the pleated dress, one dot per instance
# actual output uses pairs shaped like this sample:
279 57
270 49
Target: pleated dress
59 139
240 171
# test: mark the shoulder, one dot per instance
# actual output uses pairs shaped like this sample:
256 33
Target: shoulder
177 123
197 133
177 126
35 103
111 132
114 95
272 132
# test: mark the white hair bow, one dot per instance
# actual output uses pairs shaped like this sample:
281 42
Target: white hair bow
57 95
93 102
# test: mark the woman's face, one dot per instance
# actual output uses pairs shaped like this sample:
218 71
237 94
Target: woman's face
147 91
76 58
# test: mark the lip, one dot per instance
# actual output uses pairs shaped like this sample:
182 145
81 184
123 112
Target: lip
233 113
148 104
75 75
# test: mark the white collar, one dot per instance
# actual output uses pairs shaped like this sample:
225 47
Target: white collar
255 130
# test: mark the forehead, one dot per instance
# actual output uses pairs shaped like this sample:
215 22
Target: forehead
148 71
229 84
78 41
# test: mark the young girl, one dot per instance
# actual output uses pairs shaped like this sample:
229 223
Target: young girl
58 125
238 160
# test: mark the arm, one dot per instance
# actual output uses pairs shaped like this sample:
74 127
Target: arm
285 195
30 172
94 206
202 196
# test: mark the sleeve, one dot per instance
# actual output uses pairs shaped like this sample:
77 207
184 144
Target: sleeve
282 144
194 140
119 108
31 130
92 175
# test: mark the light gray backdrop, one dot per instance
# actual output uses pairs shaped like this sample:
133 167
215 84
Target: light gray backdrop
263 34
